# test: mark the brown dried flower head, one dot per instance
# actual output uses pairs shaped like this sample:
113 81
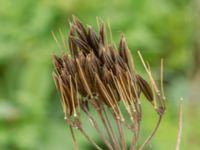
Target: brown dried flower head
94 73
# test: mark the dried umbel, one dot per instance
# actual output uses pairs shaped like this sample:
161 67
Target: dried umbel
96 76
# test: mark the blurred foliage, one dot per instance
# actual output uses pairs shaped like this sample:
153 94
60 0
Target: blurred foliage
30 112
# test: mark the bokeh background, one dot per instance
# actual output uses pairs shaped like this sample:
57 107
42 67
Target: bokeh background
31 117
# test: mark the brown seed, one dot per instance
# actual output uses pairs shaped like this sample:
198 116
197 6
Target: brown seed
146 90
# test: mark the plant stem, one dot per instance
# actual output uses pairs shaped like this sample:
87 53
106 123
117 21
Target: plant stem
152 134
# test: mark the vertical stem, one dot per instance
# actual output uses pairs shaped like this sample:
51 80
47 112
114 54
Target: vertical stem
111 129
133 142
105 126
74 138
110 134
121 134
180 126
135 136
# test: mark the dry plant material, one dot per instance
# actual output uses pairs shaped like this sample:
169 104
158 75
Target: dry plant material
94 75
180 125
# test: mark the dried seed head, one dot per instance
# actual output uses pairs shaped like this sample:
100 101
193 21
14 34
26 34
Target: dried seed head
97 69
96 73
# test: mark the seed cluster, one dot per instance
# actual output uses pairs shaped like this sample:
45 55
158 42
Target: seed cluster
97 74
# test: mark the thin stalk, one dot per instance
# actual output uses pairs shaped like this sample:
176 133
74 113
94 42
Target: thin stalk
152 133
121 134
95 125
106 127
57 42
161 79
63 39
109 133
89 139
73 138
111 129
135 136
133 142
180 126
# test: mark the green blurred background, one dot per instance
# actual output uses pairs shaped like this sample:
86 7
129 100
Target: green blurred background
31 117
